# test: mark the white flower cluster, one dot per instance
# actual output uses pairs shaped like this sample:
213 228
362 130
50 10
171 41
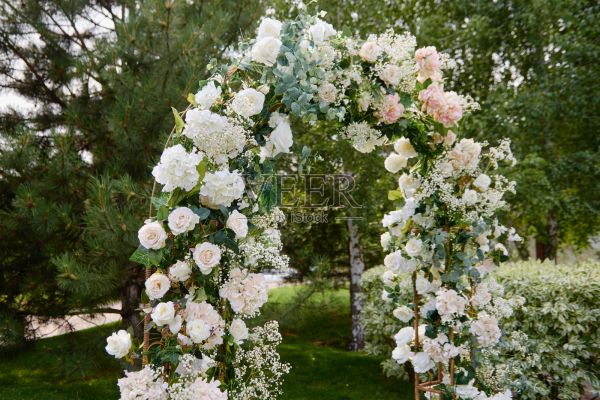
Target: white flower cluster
364 138
214 135
246 292
260 369
199 388
146 384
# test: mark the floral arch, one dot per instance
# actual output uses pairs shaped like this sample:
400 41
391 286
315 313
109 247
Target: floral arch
210 236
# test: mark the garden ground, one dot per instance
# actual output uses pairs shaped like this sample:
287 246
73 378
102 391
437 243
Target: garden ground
75 366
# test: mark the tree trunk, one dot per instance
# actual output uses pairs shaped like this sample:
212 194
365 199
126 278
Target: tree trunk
547 249
130 300
357 267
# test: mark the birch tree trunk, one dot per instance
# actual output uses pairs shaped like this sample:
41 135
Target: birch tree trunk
357 267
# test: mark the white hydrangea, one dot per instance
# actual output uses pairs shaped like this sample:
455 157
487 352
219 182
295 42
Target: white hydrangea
204 324
207 96
197 389
221 188
246 292
146 384
449 303
486 329
177 169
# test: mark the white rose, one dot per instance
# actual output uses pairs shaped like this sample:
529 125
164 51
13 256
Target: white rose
408 185
269 27
469 197
320 32
198 330
281 138
265 51
422 362
423 285
403 313
404 336
413 247
248 102
182 220
206 255
403 147
370 51
402 354
152 236
207 96
386 240
482 182
467 391
238 330
500 247
118 344
180 271
449 139
465 154
157 285
388 278
238 223
392 260
163 313
395 162
328 93
391 74
221 188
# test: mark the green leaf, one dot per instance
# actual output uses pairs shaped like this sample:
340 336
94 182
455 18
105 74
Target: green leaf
140 256
155 257
176 196
201 168
178 120
200 295
192 99
201 212
158 202
163 213
395 195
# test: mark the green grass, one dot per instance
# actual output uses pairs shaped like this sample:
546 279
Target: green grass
316 334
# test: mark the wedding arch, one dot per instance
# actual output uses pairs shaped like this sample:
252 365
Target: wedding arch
208 236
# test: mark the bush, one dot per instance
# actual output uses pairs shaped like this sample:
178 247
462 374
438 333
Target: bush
552 345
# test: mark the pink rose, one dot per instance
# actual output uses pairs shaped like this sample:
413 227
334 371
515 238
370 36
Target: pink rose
443 106
432 98
452 111
390 110
429 64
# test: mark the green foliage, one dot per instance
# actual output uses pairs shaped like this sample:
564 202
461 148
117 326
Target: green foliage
74 170
561 349
315 332
560 318
528 64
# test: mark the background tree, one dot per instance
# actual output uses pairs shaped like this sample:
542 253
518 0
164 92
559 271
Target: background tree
531 66
102 76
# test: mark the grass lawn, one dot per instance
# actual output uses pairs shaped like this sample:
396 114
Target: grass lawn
75 366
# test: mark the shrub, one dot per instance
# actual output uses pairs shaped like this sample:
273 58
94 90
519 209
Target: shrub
552 344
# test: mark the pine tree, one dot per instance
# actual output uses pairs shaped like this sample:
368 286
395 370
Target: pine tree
75 170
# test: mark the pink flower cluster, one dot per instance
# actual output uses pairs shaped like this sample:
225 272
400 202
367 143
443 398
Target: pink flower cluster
429 64
444 107
390 110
